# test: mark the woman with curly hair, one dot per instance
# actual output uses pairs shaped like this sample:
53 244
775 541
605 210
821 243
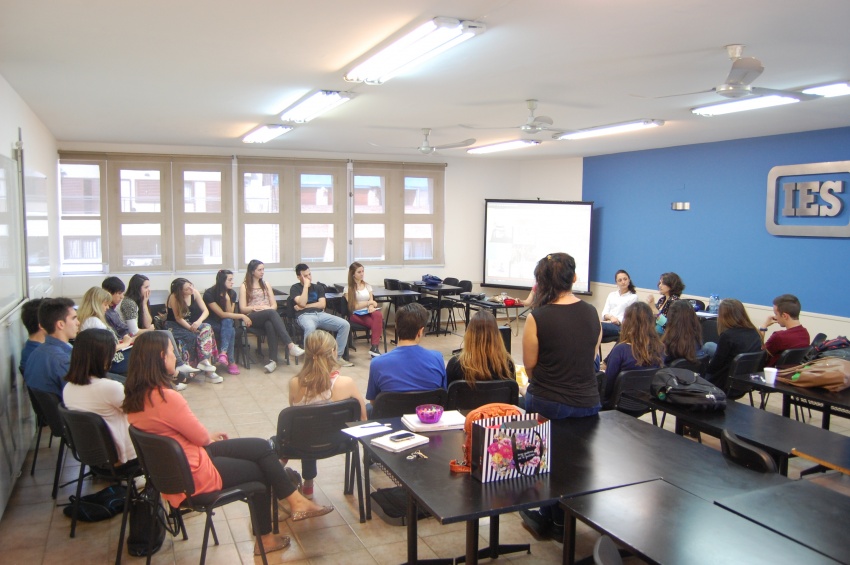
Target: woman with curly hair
319 382
671 287
640 346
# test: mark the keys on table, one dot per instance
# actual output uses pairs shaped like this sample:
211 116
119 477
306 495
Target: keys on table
417 455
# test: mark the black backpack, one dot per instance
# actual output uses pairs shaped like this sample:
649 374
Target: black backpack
686 388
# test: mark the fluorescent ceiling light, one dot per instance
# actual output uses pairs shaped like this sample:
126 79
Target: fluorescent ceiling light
608 130
314 106
265 133
426 41
829 90
506 146
753 103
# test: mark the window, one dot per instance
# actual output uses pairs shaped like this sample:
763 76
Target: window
80 220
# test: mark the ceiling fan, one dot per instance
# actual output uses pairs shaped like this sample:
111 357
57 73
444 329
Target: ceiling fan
427 149
533 124
738 84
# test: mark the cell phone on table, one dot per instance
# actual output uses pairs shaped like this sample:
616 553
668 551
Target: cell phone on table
401 437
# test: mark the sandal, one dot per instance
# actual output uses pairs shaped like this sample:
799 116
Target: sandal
281 542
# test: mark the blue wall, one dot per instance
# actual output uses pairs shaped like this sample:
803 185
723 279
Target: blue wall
721 245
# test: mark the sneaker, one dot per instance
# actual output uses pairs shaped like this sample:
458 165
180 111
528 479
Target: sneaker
206 366
306 489
179 386
295 350
214 379
343 363
187 369
222 359
233 369
270 367
374 352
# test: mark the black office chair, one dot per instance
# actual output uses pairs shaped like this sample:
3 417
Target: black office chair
699 366
314 432
49 403
391 284
746 454
397 404
636 379
167 469
605 552
742 364
93 445
462 396
40 423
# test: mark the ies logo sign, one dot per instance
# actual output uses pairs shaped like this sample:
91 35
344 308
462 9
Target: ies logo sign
809 200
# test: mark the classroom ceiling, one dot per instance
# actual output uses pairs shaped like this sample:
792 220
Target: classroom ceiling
205 72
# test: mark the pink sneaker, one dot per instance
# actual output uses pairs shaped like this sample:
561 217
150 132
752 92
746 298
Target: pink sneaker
222 359
233 369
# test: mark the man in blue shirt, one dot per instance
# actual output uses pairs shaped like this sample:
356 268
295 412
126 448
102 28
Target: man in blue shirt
29 317
49 362
408 367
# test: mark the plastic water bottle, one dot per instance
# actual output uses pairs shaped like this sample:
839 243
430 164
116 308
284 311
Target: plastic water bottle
713 304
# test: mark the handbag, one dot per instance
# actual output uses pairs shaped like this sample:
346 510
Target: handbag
147 520
487 411
831 373
508 447
686 388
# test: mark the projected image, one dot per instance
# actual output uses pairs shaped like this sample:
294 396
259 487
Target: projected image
519 233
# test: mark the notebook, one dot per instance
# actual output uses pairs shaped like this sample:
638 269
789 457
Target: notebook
451 420
396 446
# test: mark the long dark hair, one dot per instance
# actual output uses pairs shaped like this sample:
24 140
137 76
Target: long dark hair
177 292
220 288
682 334
554 274
249 276
134 288
484 356
732 314
631 284
146 371
351 297
91 356
638 329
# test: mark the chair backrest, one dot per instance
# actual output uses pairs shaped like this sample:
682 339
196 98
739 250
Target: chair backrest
391 284
397 404
405 299
462 396
636 379
746 363
819 339
49 405
792 356
164 462
451 281
90 438
340 288
739 451
41 420
465 285
314 432
605 552
699 366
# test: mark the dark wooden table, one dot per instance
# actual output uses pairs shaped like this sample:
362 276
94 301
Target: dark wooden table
773 433
439 290
662 523
818 399
391 297
809 514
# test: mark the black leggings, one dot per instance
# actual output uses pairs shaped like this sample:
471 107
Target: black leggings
270 322
241 460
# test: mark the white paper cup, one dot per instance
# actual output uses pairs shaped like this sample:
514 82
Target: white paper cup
770 375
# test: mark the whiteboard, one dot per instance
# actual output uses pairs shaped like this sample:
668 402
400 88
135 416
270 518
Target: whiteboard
12 265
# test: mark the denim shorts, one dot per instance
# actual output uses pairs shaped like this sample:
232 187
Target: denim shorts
557 411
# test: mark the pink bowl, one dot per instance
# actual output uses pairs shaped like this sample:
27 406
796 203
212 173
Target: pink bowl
429 413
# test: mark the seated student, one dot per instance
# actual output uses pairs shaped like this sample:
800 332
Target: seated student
616 303
409 366
683 335
115 287
221 302
185 319
358 296
48 363
35 333
319 382
91 315
640 346
786 313
483 357
737 335
309 304
90 390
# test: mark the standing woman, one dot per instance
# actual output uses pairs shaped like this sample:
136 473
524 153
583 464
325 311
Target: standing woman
358 294
221 301
256 299
616 303
89 389
134 309
185 319
738 334
216 462
670 286
639 347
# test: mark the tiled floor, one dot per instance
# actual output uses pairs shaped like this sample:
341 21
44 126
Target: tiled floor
33 529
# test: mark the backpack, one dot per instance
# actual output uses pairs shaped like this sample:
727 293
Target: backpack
101 505
686 388
142 522
487 411
432 280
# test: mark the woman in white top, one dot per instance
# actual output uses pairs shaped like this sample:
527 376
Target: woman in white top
92 315
89 390
362 308
616 304
319 382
